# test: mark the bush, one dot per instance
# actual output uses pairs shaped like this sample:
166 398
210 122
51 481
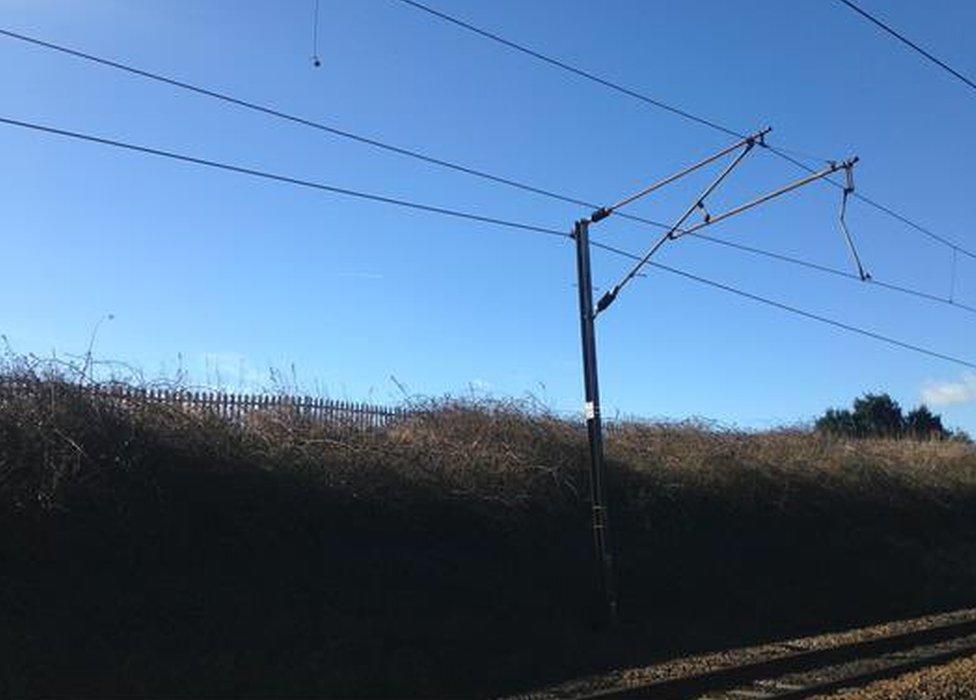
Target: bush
151 550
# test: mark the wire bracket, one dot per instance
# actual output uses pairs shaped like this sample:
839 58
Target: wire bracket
848 190
706 215
746 142
747 145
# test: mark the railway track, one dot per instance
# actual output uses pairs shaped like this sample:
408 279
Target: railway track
799 669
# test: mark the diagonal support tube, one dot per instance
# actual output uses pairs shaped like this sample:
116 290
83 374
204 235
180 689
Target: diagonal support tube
609 297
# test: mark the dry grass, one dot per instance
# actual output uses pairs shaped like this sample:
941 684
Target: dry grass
792 470
59 437
156 550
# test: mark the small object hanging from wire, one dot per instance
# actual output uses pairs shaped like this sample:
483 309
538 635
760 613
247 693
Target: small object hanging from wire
316 61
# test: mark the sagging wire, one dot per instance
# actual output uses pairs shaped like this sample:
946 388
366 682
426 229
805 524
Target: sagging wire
847 191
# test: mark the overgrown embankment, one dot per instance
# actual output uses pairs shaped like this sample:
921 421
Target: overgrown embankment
150 550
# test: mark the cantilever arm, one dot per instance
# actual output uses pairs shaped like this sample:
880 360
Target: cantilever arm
748 142
847 166
676 231
819 175
609 297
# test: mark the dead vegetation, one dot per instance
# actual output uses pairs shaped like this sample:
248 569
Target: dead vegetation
155 550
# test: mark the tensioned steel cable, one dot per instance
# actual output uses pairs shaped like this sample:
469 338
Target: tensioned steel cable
342 133
791 309
427 158
434 209
573 69
466 215
277 113
617 87
826 269
875 204
908 42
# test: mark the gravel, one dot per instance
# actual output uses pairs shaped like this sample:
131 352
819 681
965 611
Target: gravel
953 681
633 677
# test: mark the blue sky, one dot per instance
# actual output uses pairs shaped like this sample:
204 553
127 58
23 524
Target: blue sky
230 276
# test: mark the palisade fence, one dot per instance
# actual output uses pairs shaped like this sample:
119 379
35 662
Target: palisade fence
232 407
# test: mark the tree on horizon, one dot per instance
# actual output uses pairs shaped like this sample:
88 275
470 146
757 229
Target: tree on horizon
880 416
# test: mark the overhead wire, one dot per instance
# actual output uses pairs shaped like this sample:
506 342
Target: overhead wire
826 269
875 204
573 69
474 217
647 99
609 297
908 42
425 157
342 133
279 114
788 308
431 208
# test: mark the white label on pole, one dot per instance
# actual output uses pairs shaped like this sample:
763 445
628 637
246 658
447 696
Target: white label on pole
589 410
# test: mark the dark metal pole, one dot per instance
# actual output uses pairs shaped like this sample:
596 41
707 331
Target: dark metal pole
594 425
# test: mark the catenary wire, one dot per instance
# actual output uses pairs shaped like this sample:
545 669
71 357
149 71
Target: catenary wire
826 269
283 178
277 113
875 204
617 87
908 42
342 133
573 69
473 217
788 308
424 157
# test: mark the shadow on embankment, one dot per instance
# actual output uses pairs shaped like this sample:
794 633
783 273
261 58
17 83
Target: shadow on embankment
147 551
